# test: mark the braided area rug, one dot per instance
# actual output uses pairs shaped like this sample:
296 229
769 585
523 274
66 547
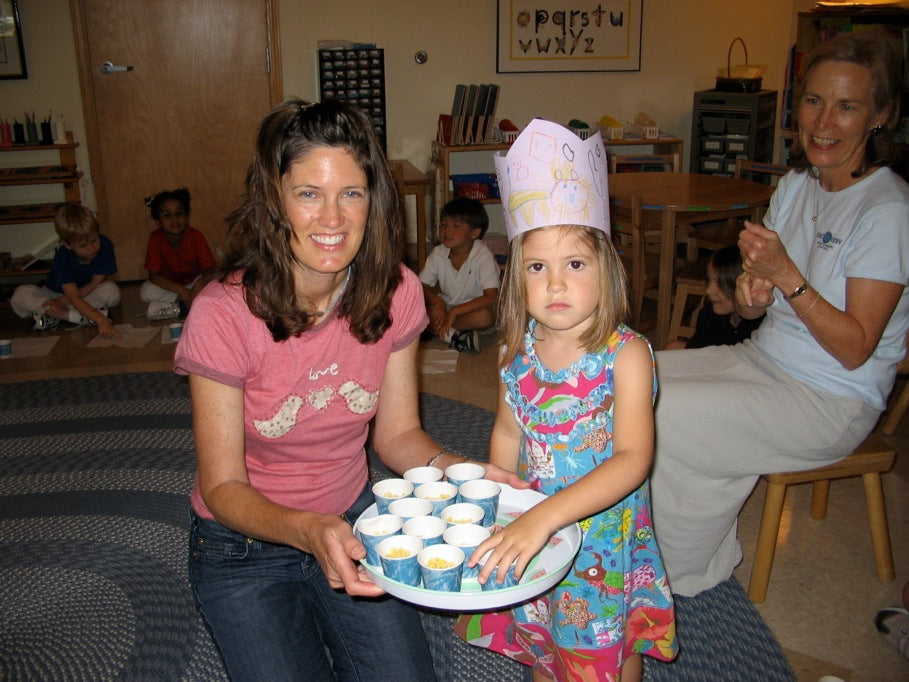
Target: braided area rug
95 475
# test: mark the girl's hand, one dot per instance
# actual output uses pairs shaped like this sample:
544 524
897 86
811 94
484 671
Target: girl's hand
331 541
522 539
107 329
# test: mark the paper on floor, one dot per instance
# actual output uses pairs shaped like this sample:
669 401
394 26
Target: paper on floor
433 361
131 337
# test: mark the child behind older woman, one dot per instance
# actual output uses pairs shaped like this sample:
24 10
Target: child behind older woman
720 323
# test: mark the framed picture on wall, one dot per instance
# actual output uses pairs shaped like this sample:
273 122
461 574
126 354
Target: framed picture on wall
568 35
12 51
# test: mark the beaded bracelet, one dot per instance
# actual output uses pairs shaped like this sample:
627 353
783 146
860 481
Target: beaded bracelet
435 458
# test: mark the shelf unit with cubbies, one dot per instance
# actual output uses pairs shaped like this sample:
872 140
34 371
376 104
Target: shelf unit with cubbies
726 126
64 173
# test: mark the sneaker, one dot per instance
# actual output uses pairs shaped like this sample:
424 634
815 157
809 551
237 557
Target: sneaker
86 322
158 310
44 322
894 623
469 340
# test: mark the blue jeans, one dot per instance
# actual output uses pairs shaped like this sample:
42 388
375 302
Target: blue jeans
274 616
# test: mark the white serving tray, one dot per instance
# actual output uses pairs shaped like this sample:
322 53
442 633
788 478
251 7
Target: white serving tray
544 572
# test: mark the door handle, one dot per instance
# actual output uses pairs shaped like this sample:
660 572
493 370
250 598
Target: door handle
109 68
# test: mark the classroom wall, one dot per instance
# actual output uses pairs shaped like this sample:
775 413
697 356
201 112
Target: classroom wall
683 44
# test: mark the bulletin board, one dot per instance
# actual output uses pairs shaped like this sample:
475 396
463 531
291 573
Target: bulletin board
572 35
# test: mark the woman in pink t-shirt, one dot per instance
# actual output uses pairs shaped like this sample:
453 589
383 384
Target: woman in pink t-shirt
308 337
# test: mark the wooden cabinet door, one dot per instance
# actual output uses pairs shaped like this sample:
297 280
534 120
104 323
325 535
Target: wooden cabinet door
202 73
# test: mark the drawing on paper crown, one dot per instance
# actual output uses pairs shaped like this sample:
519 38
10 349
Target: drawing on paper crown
550 176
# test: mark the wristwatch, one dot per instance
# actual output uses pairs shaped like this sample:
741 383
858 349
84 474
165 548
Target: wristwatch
799 290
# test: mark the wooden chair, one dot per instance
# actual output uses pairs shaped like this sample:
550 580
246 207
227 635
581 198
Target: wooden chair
869 460
873 457
631 238
689 283
901 404
624 163
716 236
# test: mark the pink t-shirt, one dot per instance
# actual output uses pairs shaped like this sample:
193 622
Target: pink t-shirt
307 401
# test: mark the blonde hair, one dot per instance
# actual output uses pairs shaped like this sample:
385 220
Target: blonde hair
75 223
613 305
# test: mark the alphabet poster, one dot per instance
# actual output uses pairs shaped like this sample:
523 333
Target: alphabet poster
571 35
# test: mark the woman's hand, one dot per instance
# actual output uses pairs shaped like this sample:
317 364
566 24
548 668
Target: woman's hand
753 293
765 257
500 475
331 541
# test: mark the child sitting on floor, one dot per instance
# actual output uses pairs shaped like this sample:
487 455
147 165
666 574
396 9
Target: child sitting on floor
719 324
461 277
78 288
178 259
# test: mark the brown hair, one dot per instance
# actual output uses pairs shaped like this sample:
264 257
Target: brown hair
260 232
75 223
613 307
728 265
875 52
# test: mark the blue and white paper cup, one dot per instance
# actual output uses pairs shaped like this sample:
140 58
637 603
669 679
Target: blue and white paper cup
463 512
468 537
428 528
440 566
460 473
398 555
373 530
419 475
388 490
492 583
484 493
409 507
439 493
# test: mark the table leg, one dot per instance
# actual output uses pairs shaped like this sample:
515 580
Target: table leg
667 268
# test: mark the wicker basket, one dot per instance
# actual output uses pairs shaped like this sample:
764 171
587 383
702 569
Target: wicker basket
738 83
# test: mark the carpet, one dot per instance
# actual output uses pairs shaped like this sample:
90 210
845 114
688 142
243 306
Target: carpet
94 479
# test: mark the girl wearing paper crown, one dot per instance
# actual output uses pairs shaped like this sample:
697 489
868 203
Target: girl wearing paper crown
575 419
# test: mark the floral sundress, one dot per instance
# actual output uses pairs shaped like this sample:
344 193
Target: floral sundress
615 599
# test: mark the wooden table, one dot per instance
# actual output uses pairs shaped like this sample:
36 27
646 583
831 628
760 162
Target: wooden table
686 197
417 184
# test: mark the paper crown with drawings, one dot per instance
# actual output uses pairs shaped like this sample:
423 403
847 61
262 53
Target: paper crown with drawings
550 176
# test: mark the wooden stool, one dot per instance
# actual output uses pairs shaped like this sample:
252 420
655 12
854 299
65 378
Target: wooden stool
689 281
869 460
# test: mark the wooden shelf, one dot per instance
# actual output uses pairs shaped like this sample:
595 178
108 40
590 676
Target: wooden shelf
64 173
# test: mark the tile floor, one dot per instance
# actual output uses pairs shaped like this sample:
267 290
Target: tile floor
823 590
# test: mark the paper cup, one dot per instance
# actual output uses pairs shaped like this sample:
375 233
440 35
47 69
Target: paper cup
398 555
492 583
408 507
419 475
463 512
175 330
440 567
429 529
439 493
460 473
373 530
484 493
388 490
468 537
6 348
